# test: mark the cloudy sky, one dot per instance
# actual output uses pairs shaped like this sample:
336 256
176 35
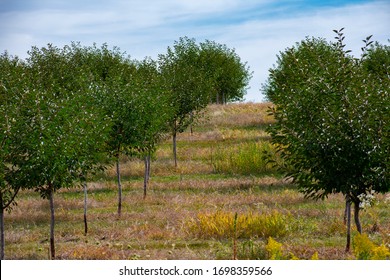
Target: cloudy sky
257 29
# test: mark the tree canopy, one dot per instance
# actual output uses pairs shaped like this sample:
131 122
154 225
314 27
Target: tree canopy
196 75
332 117
228 76
12 94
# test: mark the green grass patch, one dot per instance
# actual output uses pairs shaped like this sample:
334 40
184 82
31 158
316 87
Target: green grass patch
245 158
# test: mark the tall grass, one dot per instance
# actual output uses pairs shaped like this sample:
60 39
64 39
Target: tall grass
225 225
247 158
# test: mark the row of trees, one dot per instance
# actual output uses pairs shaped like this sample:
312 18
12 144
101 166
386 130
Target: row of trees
67 112
332 114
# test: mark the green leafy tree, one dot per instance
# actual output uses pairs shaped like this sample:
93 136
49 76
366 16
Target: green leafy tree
112 72
332 119
12 92
186 84
95 157
155 112
132 96
225 71
60 125
197 75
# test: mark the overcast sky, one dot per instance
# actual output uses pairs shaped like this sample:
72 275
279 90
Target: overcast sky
257 29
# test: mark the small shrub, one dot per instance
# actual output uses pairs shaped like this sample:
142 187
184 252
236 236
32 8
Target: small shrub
314 256
365 249
381 253
293 257
362 247
274 249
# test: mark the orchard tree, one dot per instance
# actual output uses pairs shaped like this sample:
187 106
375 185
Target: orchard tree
155 112
60 125
227 74
197 75
332 119
132 98
12 89
95 157
187 85
112 72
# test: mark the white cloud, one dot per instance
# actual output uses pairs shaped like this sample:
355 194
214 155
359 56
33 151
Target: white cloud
259 41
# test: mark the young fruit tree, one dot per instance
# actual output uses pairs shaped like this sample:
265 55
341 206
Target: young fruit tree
154 114
186 84
94 157
196 75
60 125
12 89
227 74
132 97
332 119
112 73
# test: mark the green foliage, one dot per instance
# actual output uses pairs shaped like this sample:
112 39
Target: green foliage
111 73
155 110
227 74
12 92
186 82
196 75
60 126
131 95
332 117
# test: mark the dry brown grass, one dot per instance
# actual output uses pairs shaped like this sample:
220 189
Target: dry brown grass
157 228
242 114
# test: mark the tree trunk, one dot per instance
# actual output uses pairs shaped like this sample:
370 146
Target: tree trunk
149 166
345 212
174 148
118 176
51 200
85 208
348 211
356 216
147 173
2 227
192 120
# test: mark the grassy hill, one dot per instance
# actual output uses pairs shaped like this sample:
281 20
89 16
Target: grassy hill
189 212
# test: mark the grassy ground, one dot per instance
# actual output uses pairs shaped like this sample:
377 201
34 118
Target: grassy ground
189 211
